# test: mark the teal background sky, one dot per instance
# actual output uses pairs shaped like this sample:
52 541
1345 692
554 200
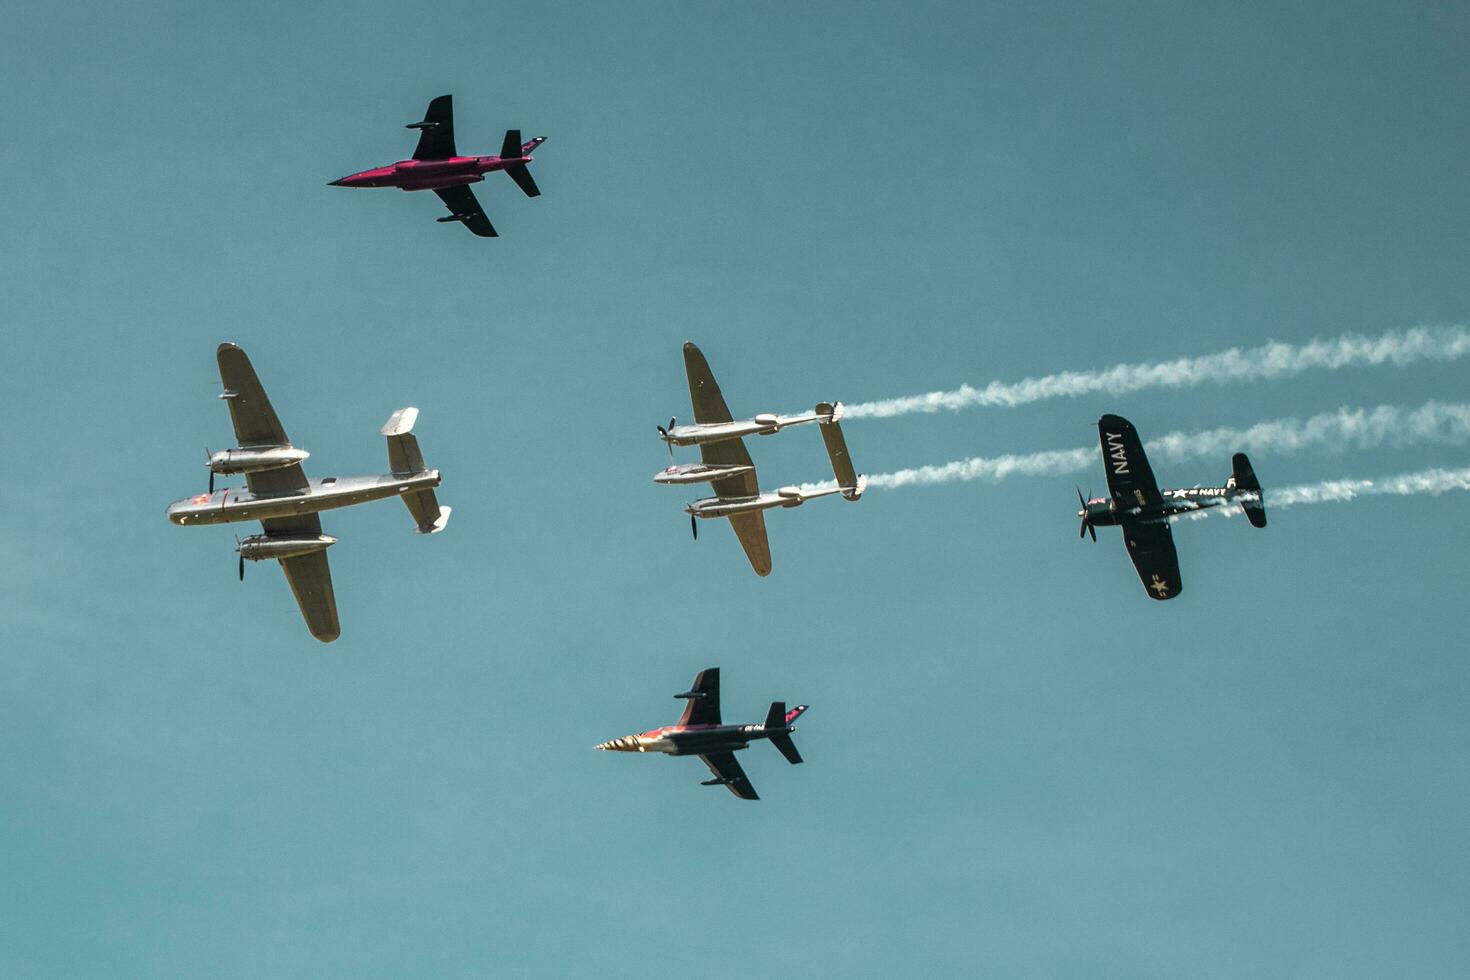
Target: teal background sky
1017 765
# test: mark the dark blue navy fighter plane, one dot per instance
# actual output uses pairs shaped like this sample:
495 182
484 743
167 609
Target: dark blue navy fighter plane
1137 505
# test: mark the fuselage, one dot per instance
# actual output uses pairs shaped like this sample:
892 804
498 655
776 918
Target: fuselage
424 175
681 473
233 504
725 506
692 739
1103 512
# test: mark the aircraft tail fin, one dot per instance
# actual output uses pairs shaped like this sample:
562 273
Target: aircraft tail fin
1243 476
779 717
513 149
404 460
848 480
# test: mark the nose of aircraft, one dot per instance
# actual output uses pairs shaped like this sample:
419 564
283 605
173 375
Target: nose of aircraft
628 743
339 182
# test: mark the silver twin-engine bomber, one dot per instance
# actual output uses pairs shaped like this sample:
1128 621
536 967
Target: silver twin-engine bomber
278 494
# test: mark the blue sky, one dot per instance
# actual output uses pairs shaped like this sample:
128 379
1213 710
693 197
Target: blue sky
1017 765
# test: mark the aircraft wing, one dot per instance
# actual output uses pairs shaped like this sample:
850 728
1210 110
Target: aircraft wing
1130 478
724 766
705 709
462 204
310 577
709 406
750 527
436 140
255 420
704 391
1151 546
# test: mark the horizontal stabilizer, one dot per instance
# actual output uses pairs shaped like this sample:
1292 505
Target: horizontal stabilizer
428 516
404 458
786 747
847 478
400 423
522 177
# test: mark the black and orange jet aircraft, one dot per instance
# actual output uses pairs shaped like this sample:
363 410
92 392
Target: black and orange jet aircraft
699 732
1144 512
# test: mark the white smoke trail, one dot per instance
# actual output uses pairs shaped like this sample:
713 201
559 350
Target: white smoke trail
1434 423
1267 362
1431 482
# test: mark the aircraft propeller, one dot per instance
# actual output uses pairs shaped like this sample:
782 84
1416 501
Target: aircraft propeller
207 458
242 558
664 434
1086 527
694 526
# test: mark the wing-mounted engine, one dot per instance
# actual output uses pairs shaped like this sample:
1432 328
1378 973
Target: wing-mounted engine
230 461
261 547
264 547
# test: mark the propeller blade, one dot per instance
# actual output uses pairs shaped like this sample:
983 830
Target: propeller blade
242 568
1082 531
1092 531
211 481
694 526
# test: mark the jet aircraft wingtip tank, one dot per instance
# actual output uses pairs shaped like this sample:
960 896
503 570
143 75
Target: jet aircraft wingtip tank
726 464
437 166
699 731
287 504
1144 512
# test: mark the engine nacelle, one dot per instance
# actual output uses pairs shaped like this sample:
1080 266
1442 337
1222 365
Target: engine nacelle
260 547
766 418
254 460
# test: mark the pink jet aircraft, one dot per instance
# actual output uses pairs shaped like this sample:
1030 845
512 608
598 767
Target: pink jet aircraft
437 167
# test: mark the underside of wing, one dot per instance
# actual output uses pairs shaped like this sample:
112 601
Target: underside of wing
310 578
751 530
705 708
250 410
462 203
436 132
724 767
704 391
1130 478
1151 546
